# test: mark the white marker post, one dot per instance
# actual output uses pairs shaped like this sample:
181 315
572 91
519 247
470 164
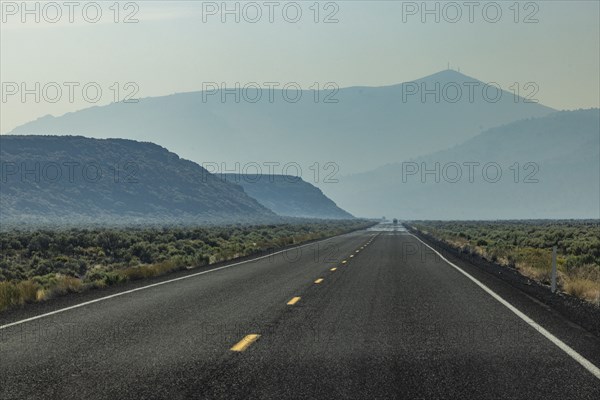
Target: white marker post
554 269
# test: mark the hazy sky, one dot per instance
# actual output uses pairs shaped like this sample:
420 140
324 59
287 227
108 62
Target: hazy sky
178 46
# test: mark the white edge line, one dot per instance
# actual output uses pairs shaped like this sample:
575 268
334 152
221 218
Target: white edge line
158 284
559 343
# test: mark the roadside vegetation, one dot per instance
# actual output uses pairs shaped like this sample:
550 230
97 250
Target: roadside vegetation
36 265
527 246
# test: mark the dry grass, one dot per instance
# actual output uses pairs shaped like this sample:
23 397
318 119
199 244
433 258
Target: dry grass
28 291
534 273
458 242
15 294
584 283
41 295
148 271
18 293
9 295
584 289
65 284
534 263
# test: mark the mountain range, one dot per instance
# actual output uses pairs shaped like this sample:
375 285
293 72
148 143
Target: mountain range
356 128
62 179
393 150
547 167
70 180
288 195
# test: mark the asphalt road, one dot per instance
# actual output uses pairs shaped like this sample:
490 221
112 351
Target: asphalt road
394 321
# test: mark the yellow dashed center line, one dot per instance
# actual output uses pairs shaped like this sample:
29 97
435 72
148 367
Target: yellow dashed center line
319 280
344 262
243 344
293 301
333 269
351 255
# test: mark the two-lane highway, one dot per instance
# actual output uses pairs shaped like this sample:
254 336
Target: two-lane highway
360 316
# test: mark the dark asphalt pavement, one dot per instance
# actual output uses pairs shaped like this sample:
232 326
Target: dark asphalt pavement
392 322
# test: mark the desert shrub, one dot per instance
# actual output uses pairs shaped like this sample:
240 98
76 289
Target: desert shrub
28 291
40 264
63 284
9 295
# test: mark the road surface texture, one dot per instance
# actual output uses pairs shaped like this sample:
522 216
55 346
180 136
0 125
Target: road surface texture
394 321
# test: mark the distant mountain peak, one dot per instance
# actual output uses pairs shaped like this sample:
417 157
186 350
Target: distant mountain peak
448 75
